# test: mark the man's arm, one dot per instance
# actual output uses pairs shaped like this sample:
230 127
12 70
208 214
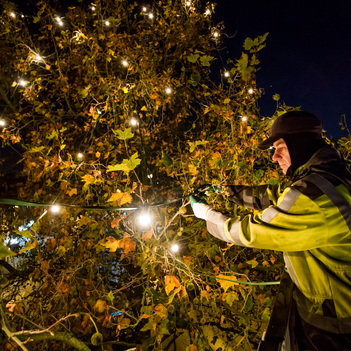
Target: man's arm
257 198
296 223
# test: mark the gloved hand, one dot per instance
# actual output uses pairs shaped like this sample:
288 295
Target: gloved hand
196 200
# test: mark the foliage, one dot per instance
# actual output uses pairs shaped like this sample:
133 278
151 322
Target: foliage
97 278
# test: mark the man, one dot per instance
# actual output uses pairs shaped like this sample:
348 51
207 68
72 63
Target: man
310 221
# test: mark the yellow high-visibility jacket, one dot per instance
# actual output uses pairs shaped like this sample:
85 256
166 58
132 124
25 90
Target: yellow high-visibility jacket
310 221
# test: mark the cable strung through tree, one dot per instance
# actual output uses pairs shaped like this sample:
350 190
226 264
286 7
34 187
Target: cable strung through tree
111 208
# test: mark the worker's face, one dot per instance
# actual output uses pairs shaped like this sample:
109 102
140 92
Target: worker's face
281 155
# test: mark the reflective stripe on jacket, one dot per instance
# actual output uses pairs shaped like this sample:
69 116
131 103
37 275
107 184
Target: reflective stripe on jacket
310 220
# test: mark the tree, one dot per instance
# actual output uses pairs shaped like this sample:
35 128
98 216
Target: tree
116 116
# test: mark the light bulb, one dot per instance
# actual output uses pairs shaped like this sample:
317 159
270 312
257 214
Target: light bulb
208 11
38 58
149 176
174 248
93 8
107 23
244 118
144 219
133 122
250 91
144 9
168 90
124 63
80 155
226 74
215 34
188 3
55 208
2 123
22 82
151 16
12 14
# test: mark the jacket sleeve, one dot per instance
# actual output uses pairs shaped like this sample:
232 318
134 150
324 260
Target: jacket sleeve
296 223
257 198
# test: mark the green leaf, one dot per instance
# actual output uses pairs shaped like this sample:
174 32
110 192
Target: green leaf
4 251
248 43
52 135
84 92
272 181
36 149
167 161
110 296
276 97
195 79
193 58
249 304
266 315
206 60
231 297
36 19
123 134
148 325
253 263
126 165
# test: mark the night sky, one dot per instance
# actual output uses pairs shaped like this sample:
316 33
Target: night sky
307 59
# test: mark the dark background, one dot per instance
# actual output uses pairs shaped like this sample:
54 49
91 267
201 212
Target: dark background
307 60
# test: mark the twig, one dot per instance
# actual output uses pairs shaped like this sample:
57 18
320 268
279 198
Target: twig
47 330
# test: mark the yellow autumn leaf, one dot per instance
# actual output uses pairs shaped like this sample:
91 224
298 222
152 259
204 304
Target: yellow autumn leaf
127 244
98 154
121 198
72 192
144 108
110 243
115 222
147 236
125 90
226 101
192 169
29 246
226 284
100 306
171 283
248 130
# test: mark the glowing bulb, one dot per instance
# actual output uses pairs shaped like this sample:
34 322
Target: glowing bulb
93 8
244 118
174 248
168 90
149 176
107 23
208 11
215 34
271 147
12 14
22 82
144 219
80 155
151 16
22 16
55 208
2 123
124 63
38 58
250 91
144 9
188 3
99 112
226 74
